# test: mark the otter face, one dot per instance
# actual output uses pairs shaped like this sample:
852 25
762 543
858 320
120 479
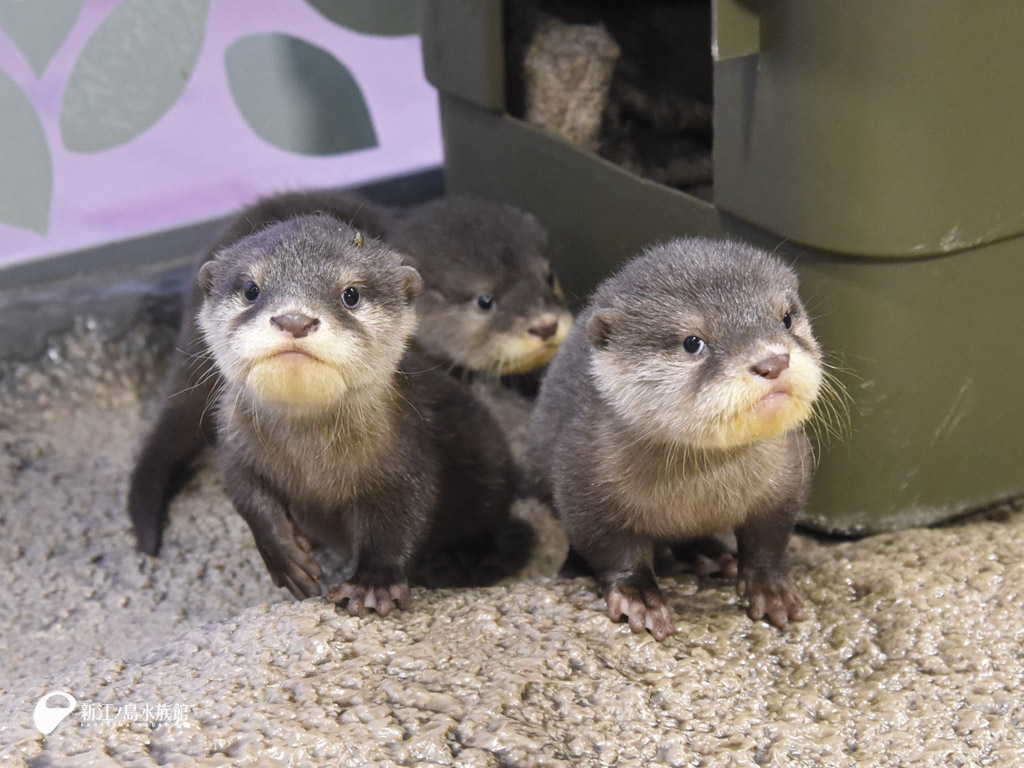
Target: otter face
707 344
483 331
492 302
307 311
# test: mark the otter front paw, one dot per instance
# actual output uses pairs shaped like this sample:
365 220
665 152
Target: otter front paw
291 563
379 597
771 597
643 606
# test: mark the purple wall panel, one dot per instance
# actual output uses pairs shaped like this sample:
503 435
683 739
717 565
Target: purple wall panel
201 158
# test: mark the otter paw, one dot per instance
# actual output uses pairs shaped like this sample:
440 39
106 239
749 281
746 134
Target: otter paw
771 598
292 565
725 566
381 597
643 607
707 556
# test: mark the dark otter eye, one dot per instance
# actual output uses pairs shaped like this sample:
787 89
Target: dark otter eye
693 345
485 301
350 297
251 291
787 320
551 278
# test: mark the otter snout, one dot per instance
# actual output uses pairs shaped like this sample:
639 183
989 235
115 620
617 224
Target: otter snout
544 331
771 367
298 325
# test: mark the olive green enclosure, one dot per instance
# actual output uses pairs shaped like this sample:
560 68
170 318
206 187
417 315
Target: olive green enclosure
879 146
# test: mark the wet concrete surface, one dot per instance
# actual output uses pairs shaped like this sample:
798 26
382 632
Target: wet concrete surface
911 652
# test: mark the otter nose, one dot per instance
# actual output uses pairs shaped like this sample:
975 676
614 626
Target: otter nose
546 331
295 324
771 367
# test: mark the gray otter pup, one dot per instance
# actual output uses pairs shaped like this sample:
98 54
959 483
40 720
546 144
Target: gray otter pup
328 432
490 303
674 410
490 300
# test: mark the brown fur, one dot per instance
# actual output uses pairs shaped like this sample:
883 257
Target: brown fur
462 248
383 459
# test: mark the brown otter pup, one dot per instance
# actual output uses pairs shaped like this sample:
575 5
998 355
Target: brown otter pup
328 431
673 411
490 303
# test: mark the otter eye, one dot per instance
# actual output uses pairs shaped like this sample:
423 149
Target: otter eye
787 320
251 291
485 301
350 297
693 345
551 278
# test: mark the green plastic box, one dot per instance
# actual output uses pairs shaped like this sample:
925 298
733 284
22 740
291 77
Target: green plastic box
879 147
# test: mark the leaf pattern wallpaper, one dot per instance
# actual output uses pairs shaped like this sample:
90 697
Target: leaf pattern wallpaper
122 117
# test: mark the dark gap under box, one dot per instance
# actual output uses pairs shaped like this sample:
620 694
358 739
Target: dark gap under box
877 146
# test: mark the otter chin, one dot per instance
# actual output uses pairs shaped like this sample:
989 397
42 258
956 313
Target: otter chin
296 378
773 415
527 362
522 351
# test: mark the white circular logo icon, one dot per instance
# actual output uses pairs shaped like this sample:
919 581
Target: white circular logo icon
48 716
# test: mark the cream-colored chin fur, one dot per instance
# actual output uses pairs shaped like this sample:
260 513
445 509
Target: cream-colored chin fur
750 426
523 352
752 419
305 382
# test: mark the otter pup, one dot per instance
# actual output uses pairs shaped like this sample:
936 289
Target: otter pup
490 302
674 410
328 431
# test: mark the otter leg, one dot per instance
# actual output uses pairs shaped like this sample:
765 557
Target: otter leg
388 541
623 563
285 550
180 433
764 576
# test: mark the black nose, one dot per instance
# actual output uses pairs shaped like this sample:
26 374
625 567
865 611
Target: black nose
544 332
771 367
295 324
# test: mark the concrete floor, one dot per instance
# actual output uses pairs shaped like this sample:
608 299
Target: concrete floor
911 654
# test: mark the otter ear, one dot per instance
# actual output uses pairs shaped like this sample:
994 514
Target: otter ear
205 276
430 300
411 283
599 329
408 256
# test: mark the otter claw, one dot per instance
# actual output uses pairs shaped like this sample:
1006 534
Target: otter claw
724 566
643 608
382 599
291 564
778 601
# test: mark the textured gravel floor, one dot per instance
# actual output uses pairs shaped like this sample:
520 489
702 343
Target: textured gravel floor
912 652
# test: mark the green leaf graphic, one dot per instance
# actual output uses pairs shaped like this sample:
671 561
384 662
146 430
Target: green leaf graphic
371 17
38 28
132 70
25 165
297 96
